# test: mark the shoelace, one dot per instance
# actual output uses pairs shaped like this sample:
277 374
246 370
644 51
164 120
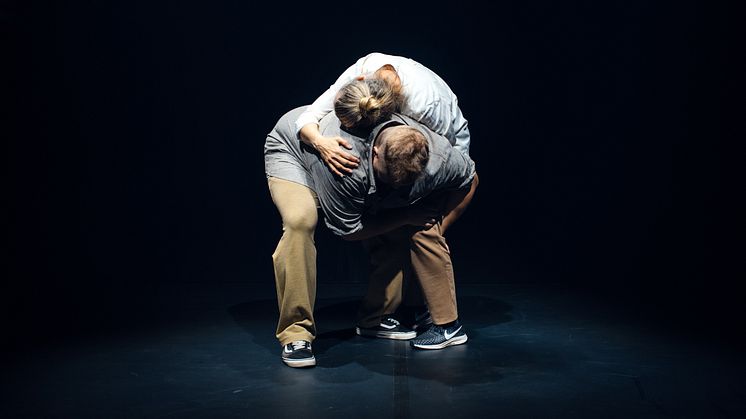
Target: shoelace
392 320
299 344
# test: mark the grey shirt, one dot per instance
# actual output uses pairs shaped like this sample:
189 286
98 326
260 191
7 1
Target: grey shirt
344 200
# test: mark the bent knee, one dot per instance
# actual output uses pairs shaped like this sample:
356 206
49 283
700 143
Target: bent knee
300 221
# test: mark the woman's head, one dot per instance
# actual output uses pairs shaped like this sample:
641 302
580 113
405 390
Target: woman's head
363 103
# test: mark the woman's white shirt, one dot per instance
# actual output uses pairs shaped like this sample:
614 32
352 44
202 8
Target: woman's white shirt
428 98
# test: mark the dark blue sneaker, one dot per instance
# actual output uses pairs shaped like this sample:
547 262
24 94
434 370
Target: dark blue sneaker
438 337
298 354
389 328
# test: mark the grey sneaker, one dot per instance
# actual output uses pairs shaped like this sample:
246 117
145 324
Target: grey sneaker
389 328
298 354
438 337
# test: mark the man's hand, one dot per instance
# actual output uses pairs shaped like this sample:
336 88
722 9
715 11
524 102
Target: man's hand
422 216
339 161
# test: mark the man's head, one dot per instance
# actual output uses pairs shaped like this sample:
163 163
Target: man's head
363 103
400 154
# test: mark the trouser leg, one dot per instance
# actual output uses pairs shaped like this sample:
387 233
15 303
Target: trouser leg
431 264
294 260
412 292
389 269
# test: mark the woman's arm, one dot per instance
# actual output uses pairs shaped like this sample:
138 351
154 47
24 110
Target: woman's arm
329 148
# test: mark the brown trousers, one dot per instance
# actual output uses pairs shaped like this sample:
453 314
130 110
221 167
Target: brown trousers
409 264
395 256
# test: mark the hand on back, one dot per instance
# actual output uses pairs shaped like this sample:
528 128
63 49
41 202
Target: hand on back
334 155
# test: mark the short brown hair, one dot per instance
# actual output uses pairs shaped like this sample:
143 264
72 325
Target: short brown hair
405 154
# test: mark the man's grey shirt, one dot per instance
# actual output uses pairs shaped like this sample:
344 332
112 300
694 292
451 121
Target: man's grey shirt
344 200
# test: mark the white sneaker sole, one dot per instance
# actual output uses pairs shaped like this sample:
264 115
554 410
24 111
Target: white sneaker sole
458 340
299 363
386 335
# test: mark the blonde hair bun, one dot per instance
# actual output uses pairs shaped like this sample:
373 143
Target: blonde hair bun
362 103
369 104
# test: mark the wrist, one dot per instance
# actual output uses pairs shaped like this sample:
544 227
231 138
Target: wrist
313 142
310 134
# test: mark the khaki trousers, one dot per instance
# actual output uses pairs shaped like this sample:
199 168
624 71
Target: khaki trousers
409 259
294 260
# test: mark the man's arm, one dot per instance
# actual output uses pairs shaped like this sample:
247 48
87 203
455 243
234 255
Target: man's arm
416 215
457 202
374 225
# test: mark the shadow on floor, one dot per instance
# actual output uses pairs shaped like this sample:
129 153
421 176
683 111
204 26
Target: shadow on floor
339 347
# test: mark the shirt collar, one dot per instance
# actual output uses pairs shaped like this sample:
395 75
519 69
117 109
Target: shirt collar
395 120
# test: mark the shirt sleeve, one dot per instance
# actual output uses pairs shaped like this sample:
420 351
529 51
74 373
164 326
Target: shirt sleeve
457 171
459 128
325 103
432 102
445 117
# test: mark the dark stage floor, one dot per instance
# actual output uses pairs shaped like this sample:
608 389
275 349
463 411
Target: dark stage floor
533 352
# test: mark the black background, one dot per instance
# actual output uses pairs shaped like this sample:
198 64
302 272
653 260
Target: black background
603 134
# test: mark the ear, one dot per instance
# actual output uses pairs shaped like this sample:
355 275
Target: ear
388 67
